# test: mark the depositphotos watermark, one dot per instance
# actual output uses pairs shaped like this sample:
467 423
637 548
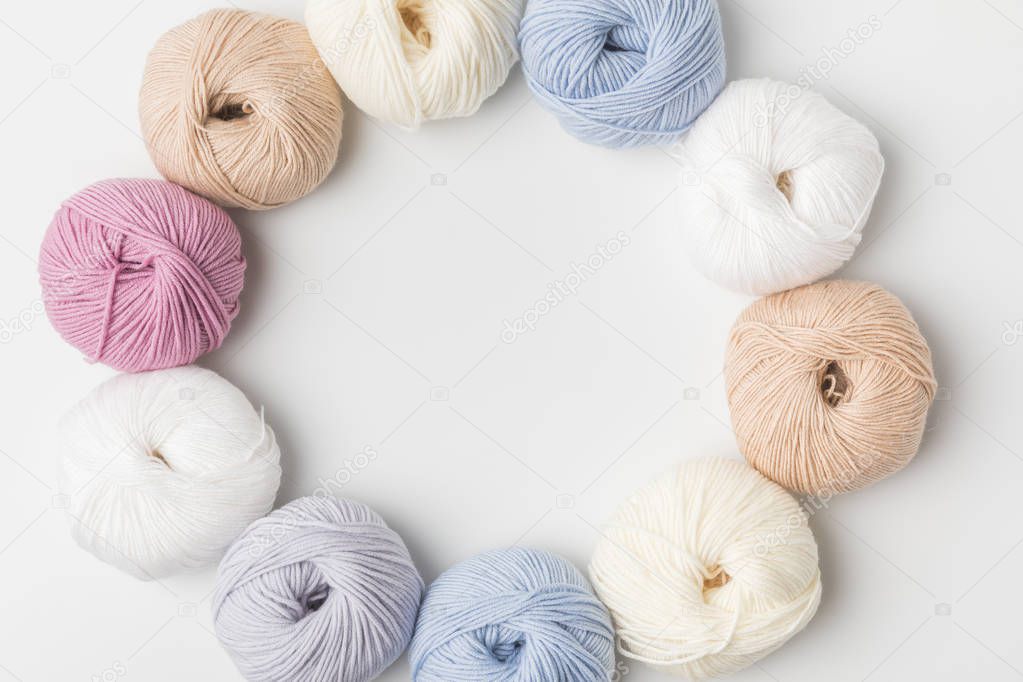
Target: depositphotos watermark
329 55
280 528
22 322
811 505
115 671
561 289
1012 332
343 476
830 57
620 672
69 284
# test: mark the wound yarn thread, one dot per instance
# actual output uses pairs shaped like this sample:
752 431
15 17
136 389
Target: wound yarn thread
828 386
237 106
321 589
409 61
162 470
707 570
624 73
777 185
517 615
141 274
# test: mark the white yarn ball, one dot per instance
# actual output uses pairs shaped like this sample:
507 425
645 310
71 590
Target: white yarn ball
408 61
777 186
163 470
707 570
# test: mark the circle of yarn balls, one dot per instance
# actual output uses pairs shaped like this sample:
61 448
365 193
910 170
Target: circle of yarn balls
828 386
408 61
236 106
141 274
321 589
707 569
163 470
777 186
623 73
518 615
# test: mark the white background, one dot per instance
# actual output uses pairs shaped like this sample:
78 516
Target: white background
372 311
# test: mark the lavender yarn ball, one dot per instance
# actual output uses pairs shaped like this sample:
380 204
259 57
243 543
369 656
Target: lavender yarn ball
321 590
513 615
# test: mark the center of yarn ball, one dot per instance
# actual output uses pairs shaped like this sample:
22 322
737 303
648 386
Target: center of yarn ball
834 384
233 110
718 578
784 184
317 598
157 455
505 652
411 12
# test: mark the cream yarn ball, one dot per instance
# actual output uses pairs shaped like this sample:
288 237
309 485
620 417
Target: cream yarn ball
828 386
406 61
777 184
707 569
163 470
236 106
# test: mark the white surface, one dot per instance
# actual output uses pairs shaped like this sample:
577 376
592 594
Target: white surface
396 346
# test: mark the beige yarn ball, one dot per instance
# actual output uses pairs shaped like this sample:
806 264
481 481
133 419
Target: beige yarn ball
237 106
828 385
707 570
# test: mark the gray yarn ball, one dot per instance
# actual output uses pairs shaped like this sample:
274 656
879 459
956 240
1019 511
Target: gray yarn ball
320 590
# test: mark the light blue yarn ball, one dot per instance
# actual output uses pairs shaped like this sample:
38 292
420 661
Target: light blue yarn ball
624 73
512 615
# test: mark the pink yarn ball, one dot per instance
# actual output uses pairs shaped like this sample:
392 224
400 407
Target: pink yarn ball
141 274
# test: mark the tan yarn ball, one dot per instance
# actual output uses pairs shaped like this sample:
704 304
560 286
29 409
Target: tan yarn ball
828 385
238 107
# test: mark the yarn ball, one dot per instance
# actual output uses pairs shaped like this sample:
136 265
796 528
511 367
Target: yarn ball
623 73
707 570
236 106
777 186
141 274
162 470
408 61
320 589
516 614
828 386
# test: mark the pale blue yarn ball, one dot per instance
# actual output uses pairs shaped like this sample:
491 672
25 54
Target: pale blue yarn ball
512 615
624 73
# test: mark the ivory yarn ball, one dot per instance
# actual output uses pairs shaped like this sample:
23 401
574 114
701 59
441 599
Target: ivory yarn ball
707 570
163 470
517 615
624 73
408 61
777 184
828 386
236 106
141 274
321 589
